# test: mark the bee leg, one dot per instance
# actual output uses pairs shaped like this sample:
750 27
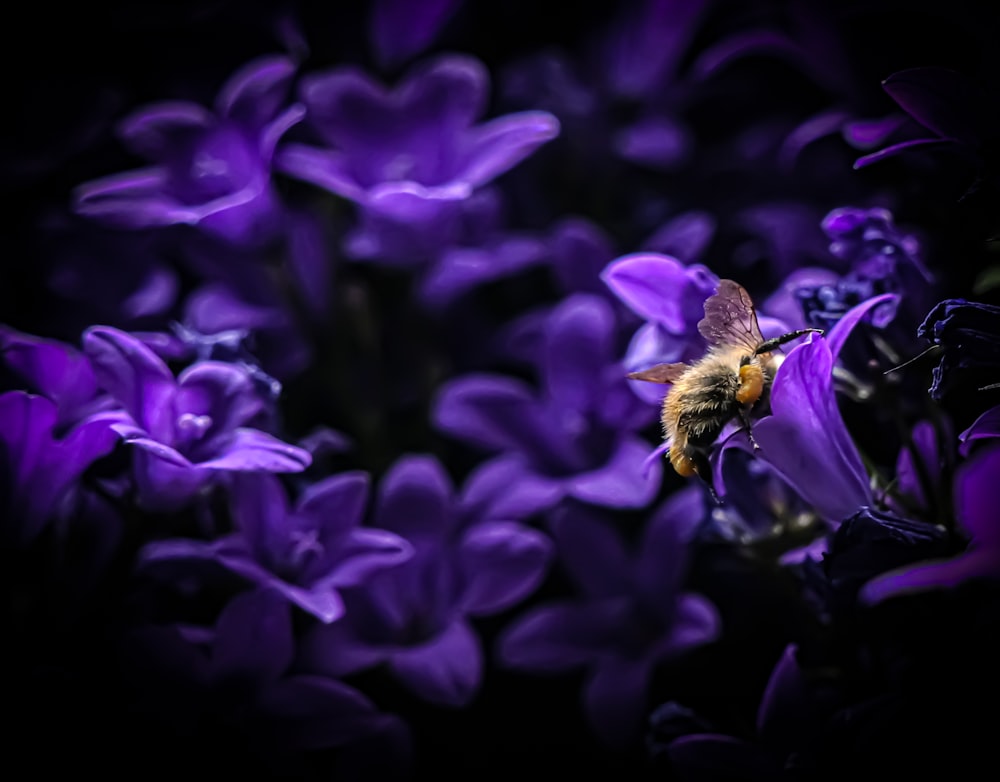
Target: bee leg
703 469
745 418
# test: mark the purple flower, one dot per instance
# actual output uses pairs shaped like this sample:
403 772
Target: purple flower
957 111
881 260
409 156
670 297
630 614
986 427
40 468
975 510
56 371
400 28
236 676
574 439
305 553
921 467
968 333
483 252
787 719
415 617
211 169
805 438
185 430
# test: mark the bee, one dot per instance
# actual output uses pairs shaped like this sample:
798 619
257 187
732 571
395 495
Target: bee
732 379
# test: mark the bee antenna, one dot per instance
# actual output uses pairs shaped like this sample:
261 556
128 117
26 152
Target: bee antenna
771 344
909 361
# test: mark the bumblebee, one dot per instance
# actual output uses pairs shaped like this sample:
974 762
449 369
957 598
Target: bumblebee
732 379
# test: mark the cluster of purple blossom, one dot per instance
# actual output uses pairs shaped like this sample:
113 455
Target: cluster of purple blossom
316 432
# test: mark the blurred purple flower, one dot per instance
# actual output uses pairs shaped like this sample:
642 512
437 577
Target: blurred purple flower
236 676
415 617
409 156
400 29
212 169
986 427
631 613
960 114
574 439
482 252
40 467
921 467
55 370
787 719
305 553
975 486
629 70
124 279
670 297
188 430
968 333
880 258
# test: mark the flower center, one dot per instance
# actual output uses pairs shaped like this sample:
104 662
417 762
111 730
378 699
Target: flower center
191 427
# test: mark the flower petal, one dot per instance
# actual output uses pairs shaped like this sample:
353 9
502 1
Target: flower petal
51 368
614 698
497 146
157 128
257 91
135 376
650 284
943 101
506 488
336 650
329 169
976 482
560 636
447 671
251 449
336 504
578 346
591 552
503 562
253 637
626 481
313 713
415 499
903 146
805 439
400 29
367 551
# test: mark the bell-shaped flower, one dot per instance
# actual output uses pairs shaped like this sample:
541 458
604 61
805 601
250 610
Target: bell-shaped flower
39 467
576 438
236 679
400 29
805 439
976 513
211 167
55 370
185 431
415 618
631 613
968 335
986 428
788 719
410 154
305 552
958 112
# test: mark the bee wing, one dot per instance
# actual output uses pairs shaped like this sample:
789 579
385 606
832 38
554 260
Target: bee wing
730 318
661 373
